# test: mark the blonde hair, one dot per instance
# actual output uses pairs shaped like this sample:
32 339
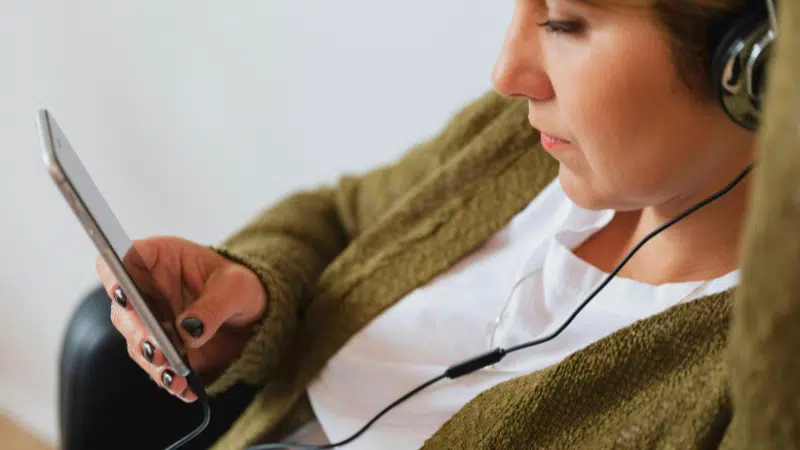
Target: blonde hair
690 26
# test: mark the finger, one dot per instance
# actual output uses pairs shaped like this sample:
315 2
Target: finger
141 346
232 294
148 350
153 371
144 348
126 322
158 370
171 381
187 395
109 281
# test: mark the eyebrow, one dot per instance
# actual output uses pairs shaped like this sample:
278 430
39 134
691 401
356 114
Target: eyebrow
583 3
579 2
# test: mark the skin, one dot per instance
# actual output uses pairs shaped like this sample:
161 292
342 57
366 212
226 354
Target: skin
189 280
641 142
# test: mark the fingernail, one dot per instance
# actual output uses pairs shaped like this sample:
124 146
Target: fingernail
193 326
148 351
166 378
119 296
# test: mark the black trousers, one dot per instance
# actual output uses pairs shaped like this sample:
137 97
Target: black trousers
107 402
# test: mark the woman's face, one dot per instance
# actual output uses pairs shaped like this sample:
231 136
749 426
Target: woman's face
604 80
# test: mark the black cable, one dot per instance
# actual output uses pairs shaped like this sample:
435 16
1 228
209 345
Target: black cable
358 433
480 361
625 260
200 391
493 356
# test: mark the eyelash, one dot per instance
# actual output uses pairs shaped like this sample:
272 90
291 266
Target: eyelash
554 26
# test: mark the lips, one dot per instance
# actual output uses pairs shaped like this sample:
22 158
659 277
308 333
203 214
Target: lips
553 139
552 143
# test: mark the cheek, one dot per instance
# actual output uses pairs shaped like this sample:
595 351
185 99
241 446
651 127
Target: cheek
621 110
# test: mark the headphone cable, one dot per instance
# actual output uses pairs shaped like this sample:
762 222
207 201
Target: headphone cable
193 379
472 364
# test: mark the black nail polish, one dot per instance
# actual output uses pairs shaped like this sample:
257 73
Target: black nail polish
166 378
193 326
148 351
119 296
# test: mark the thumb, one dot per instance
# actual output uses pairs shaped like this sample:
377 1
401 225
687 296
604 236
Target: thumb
232 294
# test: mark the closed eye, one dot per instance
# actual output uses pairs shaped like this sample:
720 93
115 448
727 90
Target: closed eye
560 26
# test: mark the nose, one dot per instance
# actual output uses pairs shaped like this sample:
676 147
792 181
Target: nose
519 70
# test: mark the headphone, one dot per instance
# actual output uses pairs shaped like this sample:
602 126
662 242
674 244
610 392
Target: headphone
740 46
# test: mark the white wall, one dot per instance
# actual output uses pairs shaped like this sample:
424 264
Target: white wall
191 116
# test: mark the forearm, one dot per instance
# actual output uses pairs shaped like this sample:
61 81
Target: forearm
287 246
291 244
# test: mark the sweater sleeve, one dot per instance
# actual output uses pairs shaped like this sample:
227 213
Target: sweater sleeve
290 244
765 336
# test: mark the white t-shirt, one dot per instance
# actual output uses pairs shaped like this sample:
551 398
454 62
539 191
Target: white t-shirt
451 318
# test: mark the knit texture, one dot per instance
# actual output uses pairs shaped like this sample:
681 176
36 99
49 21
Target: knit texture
717 372
660 383
765 336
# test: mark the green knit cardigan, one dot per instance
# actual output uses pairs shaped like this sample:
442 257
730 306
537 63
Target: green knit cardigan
722 371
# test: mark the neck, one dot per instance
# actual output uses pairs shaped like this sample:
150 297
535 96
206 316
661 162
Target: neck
702 246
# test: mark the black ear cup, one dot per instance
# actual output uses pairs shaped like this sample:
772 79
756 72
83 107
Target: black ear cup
738 65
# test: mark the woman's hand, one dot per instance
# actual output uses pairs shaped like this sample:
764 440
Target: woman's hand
211 301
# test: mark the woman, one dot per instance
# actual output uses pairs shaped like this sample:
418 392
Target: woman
338 301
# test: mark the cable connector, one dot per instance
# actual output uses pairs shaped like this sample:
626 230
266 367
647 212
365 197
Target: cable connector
476 363
200 391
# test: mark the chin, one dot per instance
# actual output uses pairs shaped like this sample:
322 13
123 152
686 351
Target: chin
580 191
